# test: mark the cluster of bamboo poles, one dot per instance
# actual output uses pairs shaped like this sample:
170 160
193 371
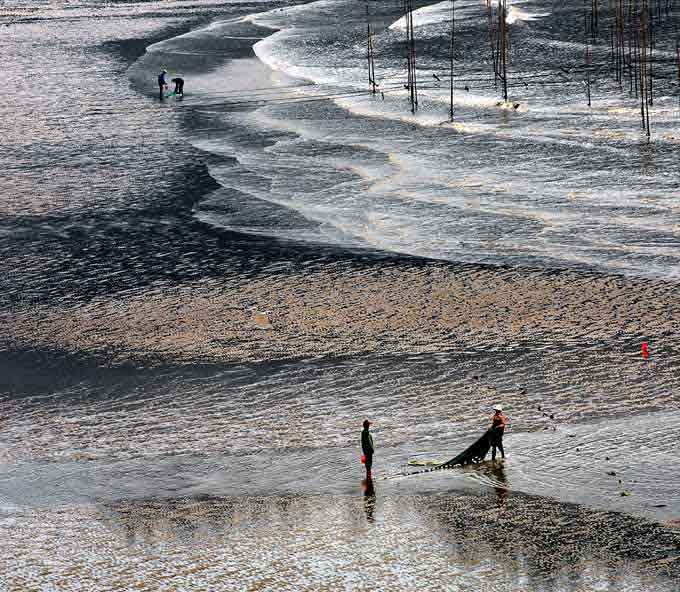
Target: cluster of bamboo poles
412 80
632 45
498 38
499 42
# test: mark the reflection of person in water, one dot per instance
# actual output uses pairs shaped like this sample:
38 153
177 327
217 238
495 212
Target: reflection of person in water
501 488
369 498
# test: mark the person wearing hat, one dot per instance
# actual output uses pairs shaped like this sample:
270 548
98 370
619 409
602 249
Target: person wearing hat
367 448
498 423
162 84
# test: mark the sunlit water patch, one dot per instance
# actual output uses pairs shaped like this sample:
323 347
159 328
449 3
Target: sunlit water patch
527 162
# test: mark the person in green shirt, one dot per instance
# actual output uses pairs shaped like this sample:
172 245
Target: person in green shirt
367 448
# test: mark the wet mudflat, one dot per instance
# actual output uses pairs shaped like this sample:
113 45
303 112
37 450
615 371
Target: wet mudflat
201 303
371 541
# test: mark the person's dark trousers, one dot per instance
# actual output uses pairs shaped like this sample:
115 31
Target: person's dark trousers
368 464
179 88
497 443
160 92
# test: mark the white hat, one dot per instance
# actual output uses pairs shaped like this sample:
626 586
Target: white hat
497 408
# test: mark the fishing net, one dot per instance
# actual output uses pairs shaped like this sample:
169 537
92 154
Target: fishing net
474 453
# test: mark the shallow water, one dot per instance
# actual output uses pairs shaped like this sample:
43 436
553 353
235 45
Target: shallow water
260 429
554 183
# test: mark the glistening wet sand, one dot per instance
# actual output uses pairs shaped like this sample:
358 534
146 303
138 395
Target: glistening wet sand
446 541
341 309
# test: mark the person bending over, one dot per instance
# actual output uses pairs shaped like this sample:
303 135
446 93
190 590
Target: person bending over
179 85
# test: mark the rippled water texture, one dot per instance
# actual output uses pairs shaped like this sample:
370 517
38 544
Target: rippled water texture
552 182
202 298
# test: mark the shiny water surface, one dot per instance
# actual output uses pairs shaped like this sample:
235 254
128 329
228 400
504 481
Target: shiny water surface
203 297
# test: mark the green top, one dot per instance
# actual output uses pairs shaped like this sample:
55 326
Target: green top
367 442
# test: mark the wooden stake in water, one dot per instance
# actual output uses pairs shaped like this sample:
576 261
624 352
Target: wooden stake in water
650 21
453 29
369 52
503 45
414 86
505 50
595 18
492 40
644 79
588 33
620 42
677 52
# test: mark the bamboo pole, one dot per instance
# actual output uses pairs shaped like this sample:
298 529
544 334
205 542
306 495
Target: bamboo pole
414 86
369 53
587 33
503 30
651 58
644 91
677 52
453 30
620 43
409 83
492 40
630 60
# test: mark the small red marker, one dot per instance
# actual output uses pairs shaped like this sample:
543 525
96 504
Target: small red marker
363 459
645 350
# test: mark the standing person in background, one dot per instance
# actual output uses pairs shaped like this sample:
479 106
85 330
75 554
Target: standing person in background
179 86
498 423
162 84
367 448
